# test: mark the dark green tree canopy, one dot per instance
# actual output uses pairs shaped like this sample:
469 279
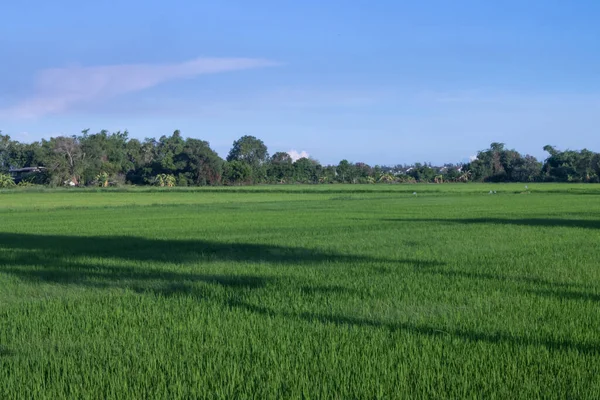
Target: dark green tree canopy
497 164
571 166
249 150
281 158
114 157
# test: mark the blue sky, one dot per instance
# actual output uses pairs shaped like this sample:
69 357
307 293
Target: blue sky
385 81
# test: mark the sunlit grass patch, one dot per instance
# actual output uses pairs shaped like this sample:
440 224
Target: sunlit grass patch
271 292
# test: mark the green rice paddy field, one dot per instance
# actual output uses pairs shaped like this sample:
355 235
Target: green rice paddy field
301 292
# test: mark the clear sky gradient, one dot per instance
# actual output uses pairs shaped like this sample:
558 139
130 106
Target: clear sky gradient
382 82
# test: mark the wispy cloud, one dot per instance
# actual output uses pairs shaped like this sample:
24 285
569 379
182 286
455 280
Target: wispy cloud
57 90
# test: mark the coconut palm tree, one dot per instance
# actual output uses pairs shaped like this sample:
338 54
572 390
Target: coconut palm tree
464 177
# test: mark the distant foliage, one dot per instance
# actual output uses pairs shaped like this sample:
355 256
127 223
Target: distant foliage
571 166
26 184
498 164
106 158
237 172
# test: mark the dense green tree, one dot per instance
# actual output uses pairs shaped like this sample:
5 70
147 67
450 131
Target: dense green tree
27 155
203 166
280 168
281 157
498 164
596 166
142 155
166 154
306 170
423 172
14 154
571 166
105 153
5 145
252 151
363 171
345 172
237 173
64 158
328 174
109 157
526 169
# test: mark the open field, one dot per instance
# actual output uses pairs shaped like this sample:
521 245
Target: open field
301 291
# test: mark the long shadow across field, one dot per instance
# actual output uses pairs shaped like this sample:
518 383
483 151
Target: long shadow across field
482 276
549 287
134 262
538 222
58 259
46 247
566 294
427 330
537 286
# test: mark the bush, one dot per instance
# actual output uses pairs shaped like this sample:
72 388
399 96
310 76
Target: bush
237 173
6 181
27 184
118 180
102 179
163 180
37 178
182 180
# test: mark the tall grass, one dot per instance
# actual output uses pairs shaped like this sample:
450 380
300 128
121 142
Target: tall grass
325 291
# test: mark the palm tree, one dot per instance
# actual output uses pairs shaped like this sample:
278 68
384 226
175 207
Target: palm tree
387 178
465 177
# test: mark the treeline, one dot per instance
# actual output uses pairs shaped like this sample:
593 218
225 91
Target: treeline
106 159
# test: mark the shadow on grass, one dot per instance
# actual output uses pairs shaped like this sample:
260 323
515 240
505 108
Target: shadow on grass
4 352
137 279
536 222
46 247
105 262
567 295
425 330
57 259
501 278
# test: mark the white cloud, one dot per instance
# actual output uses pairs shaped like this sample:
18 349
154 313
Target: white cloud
57 90
472 158
296 156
